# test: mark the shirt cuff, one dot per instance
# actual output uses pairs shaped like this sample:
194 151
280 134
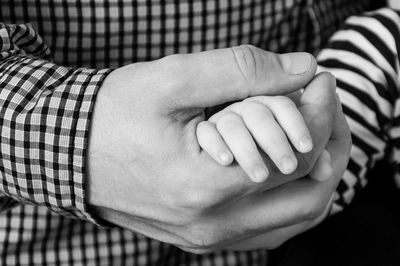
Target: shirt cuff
45 115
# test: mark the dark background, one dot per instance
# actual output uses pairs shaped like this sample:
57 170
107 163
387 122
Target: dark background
366 233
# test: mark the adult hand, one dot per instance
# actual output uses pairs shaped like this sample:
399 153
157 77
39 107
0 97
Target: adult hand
306 193
146 170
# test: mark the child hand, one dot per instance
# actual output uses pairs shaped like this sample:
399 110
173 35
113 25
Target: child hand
268 122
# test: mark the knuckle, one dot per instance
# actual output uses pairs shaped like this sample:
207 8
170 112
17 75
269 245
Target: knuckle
250 99
172 69
228 121
247 60
285 102
237 106
254 106
257 113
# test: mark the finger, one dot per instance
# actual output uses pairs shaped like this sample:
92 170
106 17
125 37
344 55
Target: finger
293 203
211 141
321 92
218 76
323 168
268 134
290 120
318 108
303 198
341 130
241 144
292 206
268 240
277 237
339 146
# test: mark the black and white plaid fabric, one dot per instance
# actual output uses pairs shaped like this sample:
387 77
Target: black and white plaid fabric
46 100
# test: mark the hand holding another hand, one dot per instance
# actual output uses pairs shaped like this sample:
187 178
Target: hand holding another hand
148 174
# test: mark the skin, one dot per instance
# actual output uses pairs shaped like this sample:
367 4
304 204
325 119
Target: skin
147 172
317 192
269 123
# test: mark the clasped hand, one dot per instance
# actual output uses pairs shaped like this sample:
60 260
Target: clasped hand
147 172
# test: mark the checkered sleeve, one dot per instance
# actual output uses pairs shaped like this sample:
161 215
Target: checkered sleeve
364 57
45 112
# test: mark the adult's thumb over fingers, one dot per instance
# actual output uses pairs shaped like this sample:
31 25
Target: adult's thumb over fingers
297 63
232 74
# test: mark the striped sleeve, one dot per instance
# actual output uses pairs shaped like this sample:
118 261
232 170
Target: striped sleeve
45 112
364 57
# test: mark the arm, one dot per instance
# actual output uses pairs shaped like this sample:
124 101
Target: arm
364 57
45 112
145 171
194 203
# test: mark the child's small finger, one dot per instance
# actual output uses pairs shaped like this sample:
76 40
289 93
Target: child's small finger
237 137
291 121
211 141
269 135
323 168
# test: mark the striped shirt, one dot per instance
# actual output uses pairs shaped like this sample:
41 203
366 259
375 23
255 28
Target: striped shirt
54 56
364 57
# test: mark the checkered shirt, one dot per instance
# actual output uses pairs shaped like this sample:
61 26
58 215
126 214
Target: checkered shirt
55 55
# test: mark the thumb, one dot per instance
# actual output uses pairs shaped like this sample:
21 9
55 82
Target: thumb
225 75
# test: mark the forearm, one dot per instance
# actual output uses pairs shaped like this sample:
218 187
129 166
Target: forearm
45 113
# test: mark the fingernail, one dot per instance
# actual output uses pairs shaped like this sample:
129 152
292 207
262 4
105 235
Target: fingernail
224 157
305 144
288 165
260 174
296 63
